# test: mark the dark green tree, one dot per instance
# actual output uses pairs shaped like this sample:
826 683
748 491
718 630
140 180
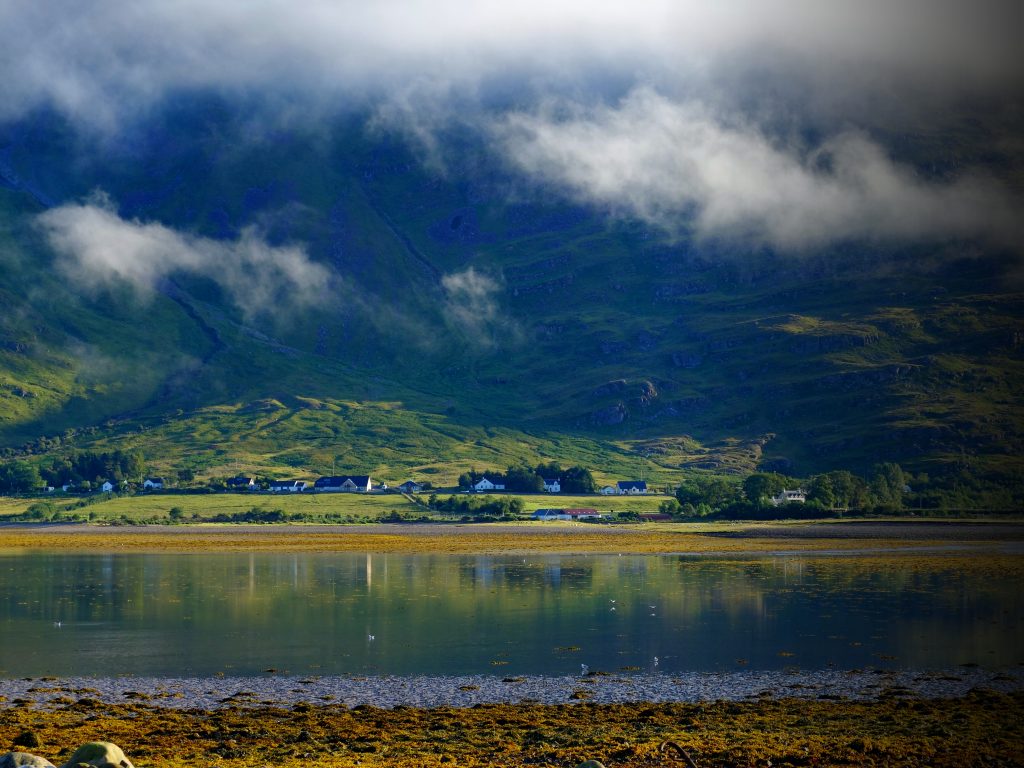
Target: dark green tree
550 470
887 485
523 479
761 486
578 480
19 477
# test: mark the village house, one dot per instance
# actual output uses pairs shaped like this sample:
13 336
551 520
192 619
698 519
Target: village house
107 486
786 497
241 483
552 485
483 484
625 488
344 484
410 486
153 483
288 486
631 487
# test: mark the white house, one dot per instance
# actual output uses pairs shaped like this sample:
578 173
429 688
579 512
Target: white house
799 496
153 483
410 486
552 485
107 486
630 487
288 486
242 482
483 484
344 484
609 490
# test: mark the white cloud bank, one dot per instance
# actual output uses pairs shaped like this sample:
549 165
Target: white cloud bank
670 162
98 59
98 248
663 153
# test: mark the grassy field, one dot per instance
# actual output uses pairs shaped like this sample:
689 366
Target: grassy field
326 506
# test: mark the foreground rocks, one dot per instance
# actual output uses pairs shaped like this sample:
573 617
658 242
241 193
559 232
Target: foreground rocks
94 754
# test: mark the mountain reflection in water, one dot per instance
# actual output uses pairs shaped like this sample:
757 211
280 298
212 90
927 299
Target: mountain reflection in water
241 614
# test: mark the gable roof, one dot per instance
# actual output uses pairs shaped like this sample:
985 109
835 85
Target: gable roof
336 481
640 485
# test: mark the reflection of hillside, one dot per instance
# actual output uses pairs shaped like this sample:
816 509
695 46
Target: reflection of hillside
436 613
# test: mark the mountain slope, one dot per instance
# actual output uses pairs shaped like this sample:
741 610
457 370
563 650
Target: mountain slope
471 318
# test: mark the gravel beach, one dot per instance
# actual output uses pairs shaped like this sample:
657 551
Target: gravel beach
466 691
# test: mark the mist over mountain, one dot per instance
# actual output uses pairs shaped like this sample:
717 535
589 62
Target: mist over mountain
428 235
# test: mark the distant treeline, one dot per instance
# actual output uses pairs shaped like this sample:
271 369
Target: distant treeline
477 506
82 469
889 489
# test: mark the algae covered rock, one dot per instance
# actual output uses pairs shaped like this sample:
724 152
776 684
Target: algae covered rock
28 739
98 754
24 760
591 764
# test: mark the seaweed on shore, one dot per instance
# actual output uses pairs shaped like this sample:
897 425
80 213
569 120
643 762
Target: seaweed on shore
981 728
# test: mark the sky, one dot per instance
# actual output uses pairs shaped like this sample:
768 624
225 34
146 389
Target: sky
747 121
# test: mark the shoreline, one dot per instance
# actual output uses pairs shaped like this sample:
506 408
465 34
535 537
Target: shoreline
719 539
466 691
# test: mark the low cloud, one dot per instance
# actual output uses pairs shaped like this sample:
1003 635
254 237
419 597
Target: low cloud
100 60
98 248
471 309
677 164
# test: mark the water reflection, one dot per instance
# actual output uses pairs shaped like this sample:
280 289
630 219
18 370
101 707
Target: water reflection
395 614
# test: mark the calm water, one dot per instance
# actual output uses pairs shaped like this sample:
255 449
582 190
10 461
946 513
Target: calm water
193 615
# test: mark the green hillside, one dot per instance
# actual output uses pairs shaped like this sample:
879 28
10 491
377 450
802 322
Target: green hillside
592 340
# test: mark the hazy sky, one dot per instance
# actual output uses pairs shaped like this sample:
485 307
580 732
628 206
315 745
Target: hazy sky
665 109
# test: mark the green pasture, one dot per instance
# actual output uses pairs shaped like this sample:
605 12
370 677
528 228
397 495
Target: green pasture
330 507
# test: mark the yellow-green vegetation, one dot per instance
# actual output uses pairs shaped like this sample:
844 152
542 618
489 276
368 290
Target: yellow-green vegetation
154 506
982 728
526 537
312 506
10 505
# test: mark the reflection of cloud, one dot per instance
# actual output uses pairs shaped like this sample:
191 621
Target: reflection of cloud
99 247
471 308
665 160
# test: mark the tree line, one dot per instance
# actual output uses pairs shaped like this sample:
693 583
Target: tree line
82 469
885 490
521 478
